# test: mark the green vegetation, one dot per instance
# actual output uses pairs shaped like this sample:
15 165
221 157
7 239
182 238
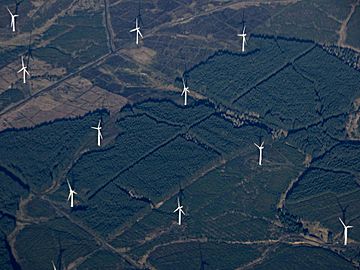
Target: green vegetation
41 153
331 185
171 112
300 258
234 75
10 96
139 135
156 150
105 260
37 245
208 255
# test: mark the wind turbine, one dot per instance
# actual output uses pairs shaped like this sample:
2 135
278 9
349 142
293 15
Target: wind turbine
13 16
71 194
100 137
137 29
185 92
179 209
54 267
243 35
261 147
24 70
345 231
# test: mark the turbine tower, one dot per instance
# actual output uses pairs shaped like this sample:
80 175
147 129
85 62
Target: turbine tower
13 22
24 70
137 29
345 231
71 195
261 147
185 92
99 135
243 35
179 209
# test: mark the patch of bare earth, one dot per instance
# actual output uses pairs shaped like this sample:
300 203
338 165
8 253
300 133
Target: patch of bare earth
352 125
140 55
73 98
44 75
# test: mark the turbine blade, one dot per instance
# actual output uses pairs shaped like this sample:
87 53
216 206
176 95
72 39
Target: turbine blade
68 183
342 222
140 34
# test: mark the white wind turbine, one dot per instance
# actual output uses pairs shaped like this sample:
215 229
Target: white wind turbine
185 92
243 35
71 195
179 209
261 147
99 135
137 29
24 70
13 22
345 231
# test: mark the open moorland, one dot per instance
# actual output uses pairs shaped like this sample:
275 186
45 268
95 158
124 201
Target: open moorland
295 88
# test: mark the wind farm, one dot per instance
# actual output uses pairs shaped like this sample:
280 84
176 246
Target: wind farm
265 151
